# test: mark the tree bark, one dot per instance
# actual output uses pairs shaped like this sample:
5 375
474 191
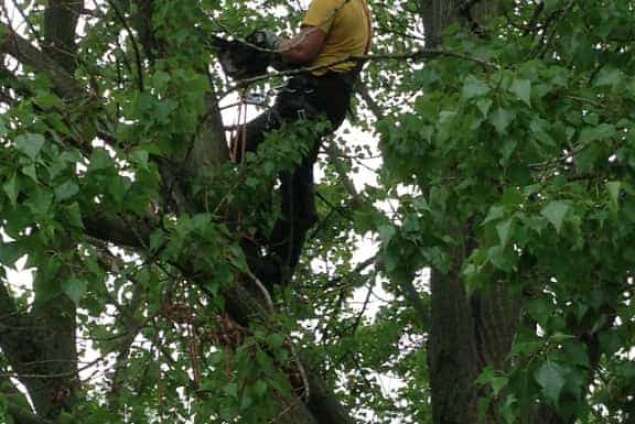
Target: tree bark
60 20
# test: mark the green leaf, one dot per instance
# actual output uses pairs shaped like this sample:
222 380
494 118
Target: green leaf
504 230
260 388
29 144
74 215
608 76
484 105
247 401
9 254
118 187
501 119
66 191
74 288
474 87
231 390
140 157
508 409
30 171
47 100
551 5
39 201
522 89
276 340
500 258
12 189
386 232
555 212
601 132
491 377
495 213
157 241
100 159
550 377
613 188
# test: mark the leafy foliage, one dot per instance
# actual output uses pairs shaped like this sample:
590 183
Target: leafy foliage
533 153
521 161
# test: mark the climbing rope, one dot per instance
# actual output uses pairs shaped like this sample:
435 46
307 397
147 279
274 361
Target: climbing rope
238 143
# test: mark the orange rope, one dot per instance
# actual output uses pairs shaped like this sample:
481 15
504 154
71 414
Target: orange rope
239 137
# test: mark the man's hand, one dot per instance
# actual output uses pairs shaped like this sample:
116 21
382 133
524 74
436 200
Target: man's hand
264 39
304 48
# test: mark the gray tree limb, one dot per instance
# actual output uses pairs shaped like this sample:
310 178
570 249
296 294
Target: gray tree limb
16 46
60 21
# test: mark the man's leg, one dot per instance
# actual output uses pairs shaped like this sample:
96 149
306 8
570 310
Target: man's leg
298 214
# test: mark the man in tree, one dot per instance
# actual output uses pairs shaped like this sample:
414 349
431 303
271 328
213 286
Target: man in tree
332 31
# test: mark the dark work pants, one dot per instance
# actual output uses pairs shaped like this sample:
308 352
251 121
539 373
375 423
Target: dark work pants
304 97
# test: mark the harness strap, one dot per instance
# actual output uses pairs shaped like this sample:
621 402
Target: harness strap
369 24
369 41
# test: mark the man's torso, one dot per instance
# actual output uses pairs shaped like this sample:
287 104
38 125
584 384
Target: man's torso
346 23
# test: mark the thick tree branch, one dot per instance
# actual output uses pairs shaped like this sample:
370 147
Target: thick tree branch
131 232
13 44
60 21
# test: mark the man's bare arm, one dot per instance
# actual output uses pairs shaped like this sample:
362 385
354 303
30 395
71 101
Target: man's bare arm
305 47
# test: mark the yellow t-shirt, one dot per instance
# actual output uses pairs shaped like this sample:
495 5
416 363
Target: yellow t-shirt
346 23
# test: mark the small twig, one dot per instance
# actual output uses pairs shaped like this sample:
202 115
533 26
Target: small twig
358 269
135 47
358 319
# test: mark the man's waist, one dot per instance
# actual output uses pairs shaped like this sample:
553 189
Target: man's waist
330 77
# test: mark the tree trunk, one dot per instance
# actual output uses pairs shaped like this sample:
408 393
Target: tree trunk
41 346
468 332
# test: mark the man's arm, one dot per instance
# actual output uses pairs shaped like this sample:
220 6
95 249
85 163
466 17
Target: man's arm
305 47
